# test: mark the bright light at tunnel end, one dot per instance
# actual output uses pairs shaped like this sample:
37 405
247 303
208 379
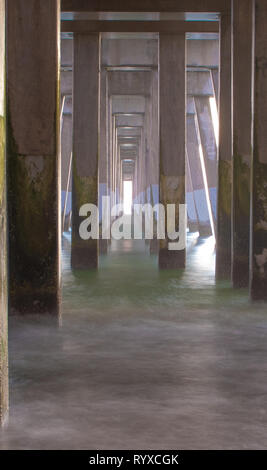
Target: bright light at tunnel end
127 197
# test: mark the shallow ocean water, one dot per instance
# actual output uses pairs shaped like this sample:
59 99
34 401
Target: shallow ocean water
142 359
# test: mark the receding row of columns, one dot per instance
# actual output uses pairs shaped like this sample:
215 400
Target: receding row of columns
115 80
31 144
172 136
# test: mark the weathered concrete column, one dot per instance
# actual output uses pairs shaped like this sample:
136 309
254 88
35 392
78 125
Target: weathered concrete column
193 222
110 149
113 155
258 263
66 167
154 159
224 203
84 253
148 143
209 148
154 154
199 190
118 171
3 241
242 31
103 156
33 155
116 159
172 135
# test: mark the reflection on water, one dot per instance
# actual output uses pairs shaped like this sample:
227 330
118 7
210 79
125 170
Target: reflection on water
143 359
129 277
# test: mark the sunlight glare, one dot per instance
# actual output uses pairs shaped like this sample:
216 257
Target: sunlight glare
127 197
215 118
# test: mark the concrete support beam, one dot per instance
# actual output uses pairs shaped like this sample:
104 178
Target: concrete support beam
209 148
66 52
122 52
66 82
130 119
117 165
66 149
224 225
114 159
199 83
110 145
86 89
66 159
146 5
169 27
142 167
258 262
33 156
215 80
203 53
197 177
148 145
127 103
131 83
192 215
154 140
172 135
153 164
3 221
103 156
242 31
